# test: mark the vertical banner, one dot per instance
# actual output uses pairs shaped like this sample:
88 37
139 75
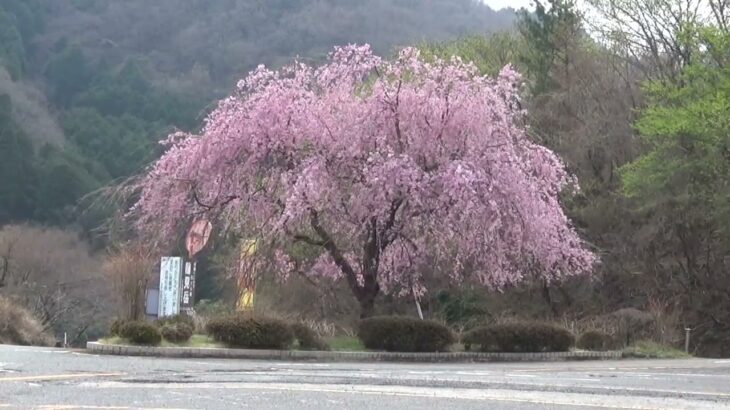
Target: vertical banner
197 238
170 272
188 289
246 276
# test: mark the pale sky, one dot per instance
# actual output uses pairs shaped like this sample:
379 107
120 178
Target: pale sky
515 4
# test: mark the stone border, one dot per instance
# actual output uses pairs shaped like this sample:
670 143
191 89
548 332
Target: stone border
336 356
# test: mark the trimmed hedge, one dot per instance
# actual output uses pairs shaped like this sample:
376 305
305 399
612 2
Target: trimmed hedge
484 336
250 332
308 338
404 334
140 333
177 319
596 341
176 332
520 337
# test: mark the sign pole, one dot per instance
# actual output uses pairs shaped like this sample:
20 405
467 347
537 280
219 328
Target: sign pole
197 238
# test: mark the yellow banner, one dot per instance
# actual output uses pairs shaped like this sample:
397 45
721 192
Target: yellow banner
246 279
245 302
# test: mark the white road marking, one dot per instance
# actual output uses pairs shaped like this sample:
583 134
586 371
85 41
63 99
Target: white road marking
609 387
425 372
584 369
42 351
499 395
48 377
84 354
663 375
474 373
696 375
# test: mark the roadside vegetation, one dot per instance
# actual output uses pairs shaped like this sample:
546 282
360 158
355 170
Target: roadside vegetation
19 326
653 350
384 333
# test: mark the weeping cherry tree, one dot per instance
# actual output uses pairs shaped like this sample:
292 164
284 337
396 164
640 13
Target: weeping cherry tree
376 168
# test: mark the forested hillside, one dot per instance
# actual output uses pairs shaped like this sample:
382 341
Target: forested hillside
89 86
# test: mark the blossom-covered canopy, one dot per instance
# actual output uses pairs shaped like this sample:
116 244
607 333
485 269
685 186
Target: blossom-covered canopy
380 166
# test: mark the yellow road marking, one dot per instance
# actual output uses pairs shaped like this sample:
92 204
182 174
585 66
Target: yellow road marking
66 406
57 377
74 406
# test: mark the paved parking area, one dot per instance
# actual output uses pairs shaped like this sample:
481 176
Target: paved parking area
65 379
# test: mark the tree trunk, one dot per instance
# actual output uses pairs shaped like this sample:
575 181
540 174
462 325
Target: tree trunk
549 299
367 307
366 295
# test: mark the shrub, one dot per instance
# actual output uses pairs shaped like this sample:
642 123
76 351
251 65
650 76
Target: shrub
250 332
714 343
596 340
19 327
633 325
206 311
175 320
141 333
520 337
176 332
116 327
308 338
482 336
404 334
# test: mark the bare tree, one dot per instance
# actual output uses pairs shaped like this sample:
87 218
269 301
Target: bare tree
53 274
653 33
721 13
130 269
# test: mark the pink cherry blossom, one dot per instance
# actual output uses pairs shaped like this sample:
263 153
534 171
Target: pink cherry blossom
376 167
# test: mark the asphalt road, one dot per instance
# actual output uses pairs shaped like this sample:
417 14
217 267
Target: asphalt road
32 378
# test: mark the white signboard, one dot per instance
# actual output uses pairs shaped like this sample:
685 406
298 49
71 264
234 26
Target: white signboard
170 271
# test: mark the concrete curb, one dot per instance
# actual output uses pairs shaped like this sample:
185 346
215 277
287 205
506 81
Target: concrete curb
300 355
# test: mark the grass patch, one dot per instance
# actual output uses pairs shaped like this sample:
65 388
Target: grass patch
198 341
353 344
195 341
652 350
345 344
113 340
459 347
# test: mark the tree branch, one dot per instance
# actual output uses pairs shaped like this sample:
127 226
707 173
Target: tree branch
333 250
225 202
307 239
387 235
